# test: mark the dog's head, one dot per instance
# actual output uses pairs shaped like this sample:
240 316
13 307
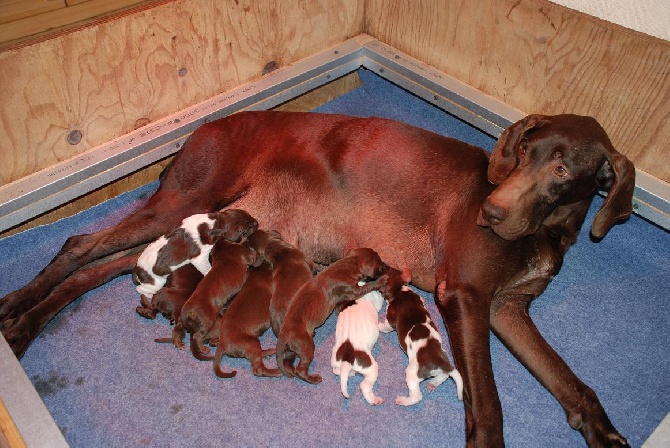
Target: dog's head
543 165
370 265
259 240
233 225
396 280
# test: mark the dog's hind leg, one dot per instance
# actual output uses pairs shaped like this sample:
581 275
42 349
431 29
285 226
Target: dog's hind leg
371 373
413 384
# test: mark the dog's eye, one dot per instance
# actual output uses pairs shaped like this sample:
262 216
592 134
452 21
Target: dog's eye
561 171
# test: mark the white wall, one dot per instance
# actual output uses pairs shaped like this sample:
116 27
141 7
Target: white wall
647 16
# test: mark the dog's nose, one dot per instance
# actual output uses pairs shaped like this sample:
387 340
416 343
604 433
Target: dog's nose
492 213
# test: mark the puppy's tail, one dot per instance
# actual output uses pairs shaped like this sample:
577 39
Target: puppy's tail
345 369
197 352
285 365
455 374
217 364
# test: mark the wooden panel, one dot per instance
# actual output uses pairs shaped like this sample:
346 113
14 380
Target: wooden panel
543 58
61 17
19 9
105 78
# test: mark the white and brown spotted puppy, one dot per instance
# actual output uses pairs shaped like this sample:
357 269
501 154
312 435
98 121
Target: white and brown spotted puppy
356 333
192 243
418 337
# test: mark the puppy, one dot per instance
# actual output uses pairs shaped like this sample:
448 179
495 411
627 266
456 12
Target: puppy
418 338
355 334
291 269
316 300
191 242
170 299
230 264
245 321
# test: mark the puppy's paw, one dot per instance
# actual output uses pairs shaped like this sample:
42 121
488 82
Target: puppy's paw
376 401
268 352
406 401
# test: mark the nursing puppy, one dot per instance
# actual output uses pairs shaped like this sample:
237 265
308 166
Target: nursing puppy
230 264
170 299
291 269
245 321
191 242
355 334
316 300
418 338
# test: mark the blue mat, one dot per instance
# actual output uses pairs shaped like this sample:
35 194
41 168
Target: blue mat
107 383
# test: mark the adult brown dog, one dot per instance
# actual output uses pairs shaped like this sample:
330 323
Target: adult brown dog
230 266
171 298
488 244
316 300
291 269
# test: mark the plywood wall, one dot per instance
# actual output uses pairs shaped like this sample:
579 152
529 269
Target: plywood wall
541 57
105 80
111 77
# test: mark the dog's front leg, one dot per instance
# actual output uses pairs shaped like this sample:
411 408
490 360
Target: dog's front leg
512 324
465 312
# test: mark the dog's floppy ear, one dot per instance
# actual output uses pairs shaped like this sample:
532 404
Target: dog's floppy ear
504 156
617 173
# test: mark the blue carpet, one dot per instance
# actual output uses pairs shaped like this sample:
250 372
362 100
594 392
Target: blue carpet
108 384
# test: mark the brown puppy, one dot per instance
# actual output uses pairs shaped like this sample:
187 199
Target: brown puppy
317 299
245 321
230 264
170 299
291 269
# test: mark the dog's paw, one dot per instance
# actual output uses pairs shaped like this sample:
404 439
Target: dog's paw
310 378
269 352
375 401
406 401
18 333
602 433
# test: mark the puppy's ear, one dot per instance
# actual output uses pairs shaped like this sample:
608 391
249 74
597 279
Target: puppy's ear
504 156
617 174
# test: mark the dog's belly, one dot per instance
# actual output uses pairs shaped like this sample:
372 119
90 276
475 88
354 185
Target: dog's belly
324 224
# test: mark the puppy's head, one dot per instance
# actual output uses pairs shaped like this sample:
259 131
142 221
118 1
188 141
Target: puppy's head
396 281
370 265
258 242
233 225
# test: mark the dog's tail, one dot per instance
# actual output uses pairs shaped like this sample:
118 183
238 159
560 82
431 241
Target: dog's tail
285 357
455 374
218 371
345 369
197 352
